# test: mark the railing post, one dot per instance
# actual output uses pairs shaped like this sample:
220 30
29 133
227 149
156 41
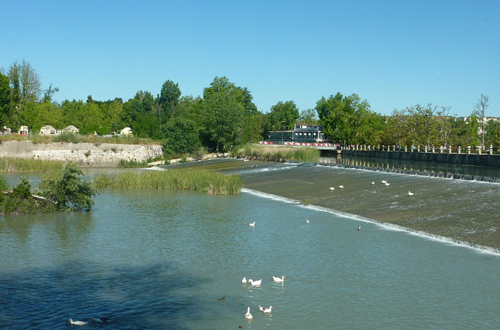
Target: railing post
468 150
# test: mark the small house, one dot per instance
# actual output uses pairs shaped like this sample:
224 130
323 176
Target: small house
71 129
126 131
48 130
23 130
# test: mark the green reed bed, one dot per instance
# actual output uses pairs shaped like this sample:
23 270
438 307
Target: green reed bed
277 154
29 165
209 182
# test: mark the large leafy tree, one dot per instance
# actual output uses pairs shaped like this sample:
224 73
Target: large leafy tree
181 136
169 98
223 113
139 114
283 115
423 125
5 100
25 83
345 118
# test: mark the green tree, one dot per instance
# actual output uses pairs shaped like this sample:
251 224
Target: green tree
283 114
308 116
169 98
345 119
25 83
480 112
223 113
68 191
181 137
5 100
20 201
49 92
492 136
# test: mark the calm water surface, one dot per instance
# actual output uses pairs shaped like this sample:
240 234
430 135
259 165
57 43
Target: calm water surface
162 260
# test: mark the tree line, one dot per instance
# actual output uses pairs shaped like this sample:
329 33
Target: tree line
225 116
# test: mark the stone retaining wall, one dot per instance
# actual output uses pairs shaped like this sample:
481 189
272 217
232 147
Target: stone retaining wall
84 154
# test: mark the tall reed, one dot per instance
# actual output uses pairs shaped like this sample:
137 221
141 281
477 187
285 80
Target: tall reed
8 164
277 154
209 182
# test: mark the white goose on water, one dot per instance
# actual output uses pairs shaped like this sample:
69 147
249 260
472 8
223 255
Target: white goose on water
266 310
79 323
410 193
255 282
252 224
248 316
332 188
277 279
244 280
341 187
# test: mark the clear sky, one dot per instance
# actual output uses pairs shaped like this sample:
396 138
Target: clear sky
394 54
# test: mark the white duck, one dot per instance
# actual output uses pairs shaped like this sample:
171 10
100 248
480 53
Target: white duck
266 310
341 187
387 184
244 280
384 182
252 224
255 282
307 221
277 279
410 193
248 316
332 188
79 323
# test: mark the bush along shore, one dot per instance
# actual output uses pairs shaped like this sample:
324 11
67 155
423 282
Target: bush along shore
276 154
60 191
209 182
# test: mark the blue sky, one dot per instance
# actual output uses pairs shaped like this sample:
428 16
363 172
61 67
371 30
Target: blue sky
394 54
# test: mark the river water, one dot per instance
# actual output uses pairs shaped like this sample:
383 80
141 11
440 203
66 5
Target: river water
164 259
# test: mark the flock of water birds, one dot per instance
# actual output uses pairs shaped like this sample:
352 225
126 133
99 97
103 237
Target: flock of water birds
266 310
384 182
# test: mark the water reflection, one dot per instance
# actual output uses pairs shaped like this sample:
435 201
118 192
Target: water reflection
148 297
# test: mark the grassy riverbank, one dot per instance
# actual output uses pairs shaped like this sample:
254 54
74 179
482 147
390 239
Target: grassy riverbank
209 182
276 153
8 164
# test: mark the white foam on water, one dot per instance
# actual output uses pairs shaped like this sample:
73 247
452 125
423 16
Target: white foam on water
383 225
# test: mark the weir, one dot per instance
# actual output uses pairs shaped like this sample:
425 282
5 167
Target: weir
416 154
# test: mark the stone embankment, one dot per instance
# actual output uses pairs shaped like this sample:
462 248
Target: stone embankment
84 154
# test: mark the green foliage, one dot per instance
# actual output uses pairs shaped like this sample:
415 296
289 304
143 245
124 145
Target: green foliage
68 191
223 113
20 201
5 100
179 179
29 165
169 98
347 119
276 154
283 115
181 136
132 164
3 184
